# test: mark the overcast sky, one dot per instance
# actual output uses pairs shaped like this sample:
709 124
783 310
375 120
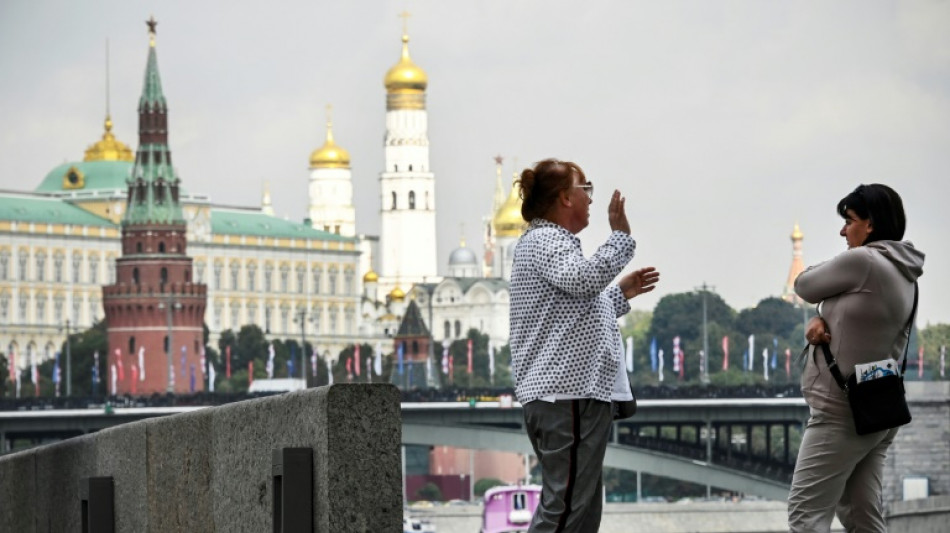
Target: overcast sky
724 123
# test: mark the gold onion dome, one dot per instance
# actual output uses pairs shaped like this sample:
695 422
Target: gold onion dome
797 234
508 221
397 294
109 148
405 76
370 277
330 155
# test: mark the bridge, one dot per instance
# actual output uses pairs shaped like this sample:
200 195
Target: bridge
744 445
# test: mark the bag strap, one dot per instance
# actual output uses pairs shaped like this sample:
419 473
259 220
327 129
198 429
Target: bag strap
833 363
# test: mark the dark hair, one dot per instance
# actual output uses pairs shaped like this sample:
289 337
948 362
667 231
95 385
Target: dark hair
541 185
882 206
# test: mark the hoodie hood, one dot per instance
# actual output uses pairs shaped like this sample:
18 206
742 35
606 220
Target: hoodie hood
908 260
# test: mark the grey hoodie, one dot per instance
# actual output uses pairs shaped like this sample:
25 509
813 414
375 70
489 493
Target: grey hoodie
866 296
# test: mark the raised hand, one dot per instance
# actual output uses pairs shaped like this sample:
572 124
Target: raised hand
639 281
616 213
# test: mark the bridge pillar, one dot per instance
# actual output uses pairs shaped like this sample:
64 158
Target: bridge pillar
921 448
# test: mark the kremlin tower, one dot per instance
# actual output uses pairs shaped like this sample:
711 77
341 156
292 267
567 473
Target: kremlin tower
788 294
154 312
407 185
331 189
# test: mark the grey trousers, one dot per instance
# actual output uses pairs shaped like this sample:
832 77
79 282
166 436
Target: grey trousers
838 472
570 440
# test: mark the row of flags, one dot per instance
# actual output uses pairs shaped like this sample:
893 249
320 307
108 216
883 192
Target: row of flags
373 364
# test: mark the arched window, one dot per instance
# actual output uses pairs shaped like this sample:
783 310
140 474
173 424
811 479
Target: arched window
394 201
138 247
410 168
412 200
161 247
415 347
395 168
135 276
164 275
448 329
166 344
132 345
458 329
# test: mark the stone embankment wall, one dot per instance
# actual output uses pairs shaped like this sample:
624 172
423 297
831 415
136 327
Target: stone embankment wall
212 470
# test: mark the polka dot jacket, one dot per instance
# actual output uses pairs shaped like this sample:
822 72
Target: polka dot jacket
564 334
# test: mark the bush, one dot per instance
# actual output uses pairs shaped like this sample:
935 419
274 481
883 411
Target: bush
484 484
430 491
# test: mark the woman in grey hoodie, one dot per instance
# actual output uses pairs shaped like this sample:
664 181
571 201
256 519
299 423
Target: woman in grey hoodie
866 295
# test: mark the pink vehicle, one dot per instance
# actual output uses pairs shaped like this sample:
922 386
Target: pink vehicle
508 509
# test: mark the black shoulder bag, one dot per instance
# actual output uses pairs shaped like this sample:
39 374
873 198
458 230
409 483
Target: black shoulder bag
877 404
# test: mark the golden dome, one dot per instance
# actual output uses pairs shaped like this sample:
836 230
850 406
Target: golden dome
330 155
370 277
797 234
397 295
405 76
109 148
508 221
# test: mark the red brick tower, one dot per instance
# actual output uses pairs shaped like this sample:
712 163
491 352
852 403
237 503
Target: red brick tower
154 312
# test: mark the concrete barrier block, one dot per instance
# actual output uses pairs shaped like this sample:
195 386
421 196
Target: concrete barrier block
354 431
120 452
59 469
179 473
16 498
364 469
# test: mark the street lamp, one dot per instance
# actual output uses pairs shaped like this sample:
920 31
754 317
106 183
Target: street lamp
167 306
705 377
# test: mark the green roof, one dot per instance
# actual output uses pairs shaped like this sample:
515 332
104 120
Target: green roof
98 175
258 224
21 208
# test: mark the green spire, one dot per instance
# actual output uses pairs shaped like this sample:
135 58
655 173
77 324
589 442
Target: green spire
154 185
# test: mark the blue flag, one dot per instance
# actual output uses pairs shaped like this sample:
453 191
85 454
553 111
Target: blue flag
774 352
290 364
399 354
745 360
653 354
56 376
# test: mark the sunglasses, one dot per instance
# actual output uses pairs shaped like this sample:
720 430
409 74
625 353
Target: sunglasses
588 188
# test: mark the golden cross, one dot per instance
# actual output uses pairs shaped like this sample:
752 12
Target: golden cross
405 21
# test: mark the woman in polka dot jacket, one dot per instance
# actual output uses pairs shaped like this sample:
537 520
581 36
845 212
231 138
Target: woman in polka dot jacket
565 343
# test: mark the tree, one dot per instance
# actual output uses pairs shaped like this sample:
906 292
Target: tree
430 491
682 315
4 372
933 338
482 485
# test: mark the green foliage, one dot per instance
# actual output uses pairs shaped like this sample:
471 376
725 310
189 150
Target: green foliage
932 338
4 375
481 375
430 491
482 485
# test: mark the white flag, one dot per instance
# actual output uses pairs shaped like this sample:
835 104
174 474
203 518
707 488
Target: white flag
765 363
630 354
115 377
378 363
211 377
369 372
659 364
270 361
141 363
329 372
751 352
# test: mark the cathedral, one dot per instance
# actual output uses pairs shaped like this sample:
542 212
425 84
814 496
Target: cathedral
119 221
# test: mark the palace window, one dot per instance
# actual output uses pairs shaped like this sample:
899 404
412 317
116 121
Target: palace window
348 282
111 270
349 321
4 308
58 309
412 199
40 266
4 264
40 308
285 280
235 271
331 281
268 278
218 267
448 329
77 264
218 308
285 319
199 271
93 269
22 259
458 329
251 277
252 313
394 201
301 279
24 300
93 310
235 315
58 260
333 313
76 304
266 319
